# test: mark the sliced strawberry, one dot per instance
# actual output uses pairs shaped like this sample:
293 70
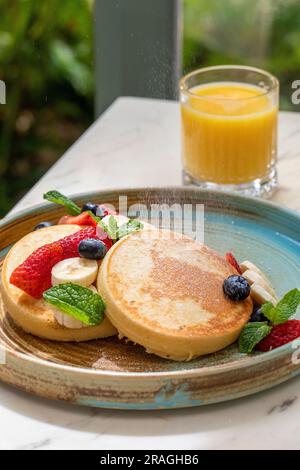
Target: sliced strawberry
81 219
70 243
232 260
33 276
280 334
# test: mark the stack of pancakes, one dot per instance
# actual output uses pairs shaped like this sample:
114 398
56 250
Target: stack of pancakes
162 290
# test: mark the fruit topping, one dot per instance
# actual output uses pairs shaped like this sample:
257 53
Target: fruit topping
85 219
71 242
236 288
42 225
33 276
245 265
91 248
261 295
261 289
280 334
257 316
76 270
277 329
90 206
232 260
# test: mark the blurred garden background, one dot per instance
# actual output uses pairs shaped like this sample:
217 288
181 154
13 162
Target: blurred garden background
46 61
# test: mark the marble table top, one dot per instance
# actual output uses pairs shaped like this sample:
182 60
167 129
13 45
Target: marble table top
136 143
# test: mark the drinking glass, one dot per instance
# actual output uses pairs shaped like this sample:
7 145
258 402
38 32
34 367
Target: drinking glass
229 129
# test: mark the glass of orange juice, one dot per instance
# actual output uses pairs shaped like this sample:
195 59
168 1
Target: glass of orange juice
229 129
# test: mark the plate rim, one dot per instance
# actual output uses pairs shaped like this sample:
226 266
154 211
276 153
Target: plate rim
278 353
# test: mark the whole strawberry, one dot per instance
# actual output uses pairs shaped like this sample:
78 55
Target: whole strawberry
280 334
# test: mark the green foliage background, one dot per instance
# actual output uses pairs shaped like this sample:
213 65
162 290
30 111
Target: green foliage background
46 61
261 33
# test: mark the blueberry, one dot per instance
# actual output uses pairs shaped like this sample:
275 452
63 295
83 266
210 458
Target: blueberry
42 225
90 206
236 287
91 248
257 316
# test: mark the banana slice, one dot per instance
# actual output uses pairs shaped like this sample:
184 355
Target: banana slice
261 289
253 277
245 265
260 295
76 270
67 320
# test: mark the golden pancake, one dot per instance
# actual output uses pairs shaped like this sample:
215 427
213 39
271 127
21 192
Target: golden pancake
36 316
166 294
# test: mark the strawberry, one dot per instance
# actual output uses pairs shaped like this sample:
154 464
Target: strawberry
280 334
33 276
82 219
232 260
71 242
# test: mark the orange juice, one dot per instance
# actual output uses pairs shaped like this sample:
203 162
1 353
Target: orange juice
229 133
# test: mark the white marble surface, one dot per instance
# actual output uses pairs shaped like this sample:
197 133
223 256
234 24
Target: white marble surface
136 143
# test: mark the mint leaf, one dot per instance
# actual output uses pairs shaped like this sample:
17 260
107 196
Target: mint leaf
113 227
269 311
287 306
129 227
58 198
115 232
284 309
252 334
77 301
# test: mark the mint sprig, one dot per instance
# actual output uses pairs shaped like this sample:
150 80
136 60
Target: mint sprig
131 226
79 302
284 309
252 334
115 232
58 198
111 228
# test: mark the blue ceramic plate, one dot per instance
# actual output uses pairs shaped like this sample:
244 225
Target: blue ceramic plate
113 374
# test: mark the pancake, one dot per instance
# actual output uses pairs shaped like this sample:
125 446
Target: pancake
36 316
165 293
